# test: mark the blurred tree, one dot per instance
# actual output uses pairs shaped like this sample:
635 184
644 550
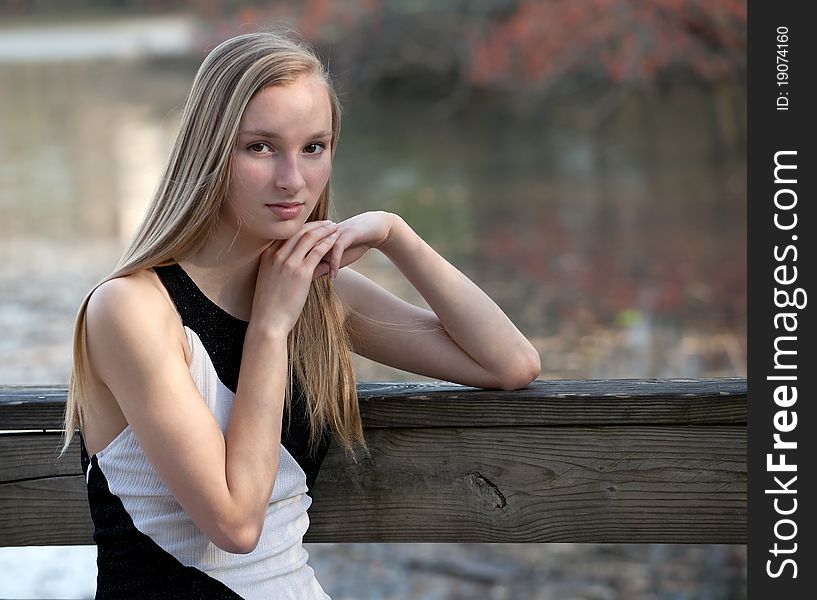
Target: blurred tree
524 45
541 42
443 45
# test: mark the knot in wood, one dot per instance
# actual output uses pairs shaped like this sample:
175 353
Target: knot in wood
487 490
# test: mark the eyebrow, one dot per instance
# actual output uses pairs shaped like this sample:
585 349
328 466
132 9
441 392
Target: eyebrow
273 135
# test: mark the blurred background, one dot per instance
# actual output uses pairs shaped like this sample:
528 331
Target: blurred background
582 161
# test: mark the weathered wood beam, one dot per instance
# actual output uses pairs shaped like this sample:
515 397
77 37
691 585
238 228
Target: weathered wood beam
615 461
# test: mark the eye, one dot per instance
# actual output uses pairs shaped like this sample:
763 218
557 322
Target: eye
315 148
258 147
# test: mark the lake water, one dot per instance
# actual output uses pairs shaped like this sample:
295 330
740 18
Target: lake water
611 230
620 251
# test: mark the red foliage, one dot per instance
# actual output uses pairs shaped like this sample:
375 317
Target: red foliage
626 40
536 44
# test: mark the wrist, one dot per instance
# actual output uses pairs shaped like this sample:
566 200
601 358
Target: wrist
397 230
267 336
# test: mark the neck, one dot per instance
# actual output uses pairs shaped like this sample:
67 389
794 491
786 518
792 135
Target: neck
225 269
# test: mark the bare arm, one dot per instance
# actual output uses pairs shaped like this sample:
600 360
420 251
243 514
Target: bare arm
224 485
465 338
223 481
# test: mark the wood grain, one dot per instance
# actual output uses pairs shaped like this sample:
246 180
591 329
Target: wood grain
619 461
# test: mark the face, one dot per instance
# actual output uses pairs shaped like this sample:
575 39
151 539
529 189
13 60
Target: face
282 156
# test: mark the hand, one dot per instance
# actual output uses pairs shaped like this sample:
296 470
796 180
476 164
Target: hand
285 274
356 235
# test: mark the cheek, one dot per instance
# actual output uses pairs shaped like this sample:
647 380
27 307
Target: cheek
232 209
248 175
318 175
243 192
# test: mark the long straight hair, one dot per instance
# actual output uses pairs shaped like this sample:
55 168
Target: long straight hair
184 213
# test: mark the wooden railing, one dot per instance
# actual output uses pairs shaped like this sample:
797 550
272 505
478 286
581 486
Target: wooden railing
653 460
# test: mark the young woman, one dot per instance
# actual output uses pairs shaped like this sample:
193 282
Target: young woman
212 366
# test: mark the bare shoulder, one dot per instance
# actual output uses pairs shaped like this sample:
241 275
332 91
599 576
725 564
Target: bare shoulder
134 309
133 333
128 296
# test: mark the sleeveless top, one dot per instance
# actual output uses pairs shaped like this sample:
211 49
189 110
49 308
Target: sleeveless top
147 545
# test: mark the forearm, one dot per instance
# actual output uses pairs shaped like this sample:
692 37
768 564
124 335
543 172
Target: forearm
253 438
469 316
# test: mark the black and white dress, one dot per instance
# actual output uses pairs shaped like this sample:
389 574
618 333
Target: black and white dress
148 547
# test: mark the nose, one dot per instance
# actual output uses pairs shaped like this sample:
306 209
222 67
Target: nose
288 176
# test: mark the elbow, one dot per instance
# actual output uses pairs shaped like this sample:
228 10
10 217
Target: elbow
238 539
524 374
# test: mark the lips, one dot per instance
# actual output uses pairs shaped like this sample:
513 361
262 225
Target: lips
286 210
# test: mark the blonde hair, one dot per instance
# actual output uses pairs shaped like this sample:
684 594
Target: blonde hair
184 213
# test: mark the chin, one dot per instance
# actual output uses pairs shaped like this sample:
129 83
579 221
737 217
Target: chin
284 230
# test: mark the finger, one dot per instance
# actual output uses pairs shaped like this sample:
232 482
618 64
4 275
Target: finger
312 240
319 251
271 248
334 259
289 243
299 246
321 270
